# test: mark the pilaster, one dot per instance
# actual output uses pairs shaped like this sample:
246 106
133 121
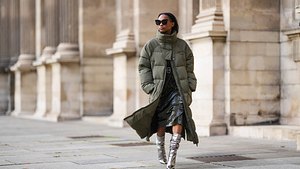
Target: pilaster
25 90
14 48
14 26
4 55
49 39
187 13
123 53
65 66
4 27
290 62
207 39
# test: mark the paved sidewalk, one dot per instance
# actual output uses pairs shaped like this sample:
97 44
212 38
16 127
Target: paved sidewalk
31 144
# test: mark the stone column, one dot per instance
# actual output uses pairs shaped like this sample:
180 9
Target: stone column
124 80
188 11
49 39
14 22
14 49
25 77
4 29
65 65
290 80
4 55
124 61
207 40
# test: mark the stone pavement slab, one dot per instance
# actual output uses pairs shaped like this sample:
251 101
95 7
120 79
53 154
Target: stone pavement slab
35 144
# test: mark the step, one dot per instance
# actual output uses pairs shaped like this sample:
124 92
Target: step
272 132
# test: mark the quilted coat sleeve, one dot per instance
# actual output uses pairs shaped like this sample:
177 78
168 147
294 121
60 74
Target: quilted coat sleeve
145 70
190 69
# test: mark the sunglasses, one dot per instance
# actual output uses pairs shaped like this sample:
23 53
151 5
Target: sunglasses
163 22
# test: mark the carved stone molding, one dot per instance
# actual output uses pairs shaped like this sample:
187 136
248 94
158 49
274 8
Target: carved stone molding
294 36
209 22
24 63
124 43
66 52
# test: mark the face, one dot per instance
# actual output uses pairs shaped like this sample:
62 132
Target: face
167 27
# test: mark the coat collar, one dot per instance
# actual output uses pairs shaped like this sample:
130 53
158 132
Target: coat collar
165 39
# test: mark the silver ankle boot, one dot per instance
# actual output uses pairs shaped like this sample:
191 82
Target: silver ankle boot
174 145
160 143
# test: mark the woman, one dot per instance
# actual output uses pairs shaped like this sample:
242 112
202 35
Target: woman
166 69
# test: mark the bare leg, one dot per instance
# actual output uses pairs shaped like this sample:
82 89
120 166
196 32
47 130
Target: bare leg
177 129
161 131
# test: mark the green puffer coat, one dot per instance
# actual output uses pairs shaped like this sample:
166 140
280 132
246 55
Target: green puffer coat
152 71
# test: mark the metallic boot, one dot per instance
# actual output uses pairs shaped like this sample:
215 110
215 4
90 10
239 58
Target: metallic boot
160 143
174 145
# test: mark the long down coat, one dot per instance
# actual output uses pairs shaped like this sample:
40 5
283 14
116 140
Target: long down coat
152 72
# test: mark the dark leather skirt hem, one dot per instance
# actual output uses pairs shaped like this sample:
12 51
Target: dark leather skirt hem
170 110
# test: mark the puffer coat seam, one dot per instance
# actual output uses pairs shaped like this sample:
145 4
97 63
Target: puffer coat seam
178 83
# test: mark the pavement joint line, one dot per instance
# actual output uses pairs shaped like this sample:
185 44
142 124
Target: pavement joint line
19 163
133 144
220 164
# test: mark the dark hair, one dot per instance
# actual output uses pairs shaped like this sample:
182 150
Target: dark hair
173 19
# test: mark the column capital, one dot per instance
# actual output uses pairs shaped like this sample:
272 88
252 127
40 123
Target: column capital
292 34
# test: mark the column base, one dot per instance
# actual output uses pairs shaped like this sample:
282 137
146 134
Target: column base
117 122
212 129
17 113
25 92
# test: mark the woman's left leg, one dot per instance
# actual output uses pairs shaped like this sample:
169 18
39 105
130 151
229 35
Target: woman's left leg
174 145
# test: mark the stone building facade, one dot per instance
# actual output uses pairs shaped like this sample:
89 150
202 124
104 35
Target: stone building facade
77 59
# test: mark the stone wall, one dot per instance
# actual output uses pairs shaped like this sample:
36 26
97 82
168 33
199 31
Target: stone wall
98 33
254 62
